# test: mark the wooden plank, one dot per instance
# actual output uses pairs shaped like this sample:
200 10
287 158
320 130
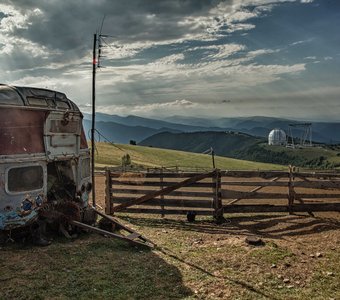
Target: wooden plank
317 175
159 184
153 175
281 208
251 195
167 211
306 184
173 193
256 183
168 202
258 195
134 235
261 174
320 196
121 225
253 190
323 184
111 234
162 191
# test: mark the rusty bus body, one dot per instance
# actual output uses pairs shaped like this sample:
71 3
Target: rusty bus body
44 155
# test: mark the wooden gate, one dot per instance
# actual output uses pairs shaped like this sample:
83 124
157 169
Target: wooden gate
218 192
162 193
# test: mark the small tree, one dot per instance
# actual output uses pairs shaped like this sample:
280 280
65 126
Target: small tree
126 160
133 142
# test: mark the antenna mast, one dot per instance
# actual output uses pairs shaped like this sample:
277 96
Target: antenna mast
97 44
94 66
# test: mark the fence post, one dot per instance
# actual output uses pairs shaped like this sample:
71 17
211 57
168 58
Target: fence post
162 196
108 185
217 197
291 193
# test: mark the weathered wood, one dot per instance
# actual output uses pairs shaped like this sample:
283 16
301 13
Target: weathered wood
121 225
251 195
320 196
173 193
322 184
252 191
261 174
168 212
168 202
256 183
246 208
237 173
108 204
152 175
162 191
217 198
111 234
134 235
259 195
317 175
160 184
291 193
162 196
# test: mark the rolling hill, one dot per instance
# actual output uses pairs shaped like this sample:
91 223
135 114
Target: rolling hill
247 147
223 143
110 155
120 133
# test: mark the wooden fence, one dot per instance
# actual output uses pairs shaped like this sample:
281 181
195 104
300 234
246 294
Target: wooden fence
218 192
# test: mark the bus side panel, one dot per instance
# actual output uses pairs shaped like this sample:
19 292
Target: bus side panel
21 131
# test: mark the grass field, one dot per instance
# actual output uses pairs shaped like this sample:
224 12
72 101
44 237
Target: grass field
201 260
109 155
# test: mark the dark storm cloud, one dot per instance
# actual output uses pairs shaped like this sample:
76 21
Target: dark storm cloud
67 25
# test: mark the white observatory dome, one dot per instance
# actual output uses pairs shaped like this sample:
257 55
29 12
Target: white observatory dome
277 137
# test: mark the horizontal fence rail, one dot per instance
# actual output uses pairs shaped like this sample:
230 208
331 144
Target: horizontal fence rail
217 192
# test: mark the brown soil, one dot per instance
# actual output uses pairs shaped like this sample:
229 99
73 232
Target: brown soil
298 249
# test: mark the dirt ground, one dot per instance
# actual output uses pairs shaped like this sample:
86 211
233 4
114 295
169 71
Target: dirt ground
300 259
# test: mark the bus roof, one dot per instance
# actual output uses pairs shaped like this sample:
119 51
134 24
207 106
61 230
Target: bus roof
35 97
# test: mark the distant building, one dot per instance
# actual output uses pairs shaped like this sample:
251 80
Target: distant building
277 137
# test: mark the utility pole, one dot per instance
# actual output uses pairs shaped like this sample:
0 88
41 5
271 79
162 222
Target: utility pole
94 66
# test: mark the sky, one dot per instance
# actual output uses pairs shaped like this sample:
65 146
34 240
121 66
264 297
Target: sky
203 58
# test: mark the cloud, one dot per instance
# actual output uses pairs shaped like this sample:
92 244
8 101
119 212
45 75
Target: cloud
160 50
162 109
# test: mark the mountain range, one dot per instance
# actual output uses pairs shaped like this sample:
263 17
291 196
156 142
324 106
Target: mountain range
120 129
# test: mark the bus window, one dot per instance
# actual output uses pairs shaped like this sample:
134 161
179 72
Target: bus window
37 101
9 96
63 105
25 179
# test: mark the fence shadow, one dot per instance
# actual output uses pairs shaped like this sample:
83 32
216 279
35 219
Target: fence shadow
270 226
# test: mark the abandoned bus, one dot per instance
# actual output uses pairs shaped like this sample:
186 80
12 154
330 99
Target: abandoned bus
44 157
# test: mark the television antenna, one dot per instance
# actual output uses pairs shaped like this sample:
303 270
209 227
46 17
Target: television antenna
98 38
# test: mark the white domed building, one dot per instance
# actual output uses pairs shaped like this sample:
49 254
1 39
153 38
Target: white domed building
277 137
